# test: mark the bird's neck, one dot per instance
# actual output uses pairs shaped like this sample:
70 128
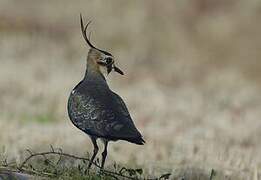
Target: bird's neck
93 73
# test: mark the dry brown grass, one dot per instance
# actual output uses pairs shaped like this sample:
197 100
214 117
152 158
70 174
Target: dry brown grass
192 80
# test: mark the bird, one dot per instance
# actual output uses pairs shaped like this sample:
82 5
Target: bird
95 109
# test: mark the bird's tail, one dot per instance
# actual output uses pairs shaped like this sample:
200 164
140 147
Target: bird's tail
138 140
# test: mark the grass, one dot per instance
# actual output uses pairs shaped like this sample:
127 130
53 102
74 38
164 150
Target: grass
55 164
40 119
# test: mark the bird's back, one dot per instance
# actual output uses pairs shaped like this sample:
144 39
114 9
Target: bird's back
99 112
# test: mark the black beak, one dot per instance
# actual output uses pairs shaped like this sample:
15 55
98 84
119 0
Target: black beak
111 67
116 69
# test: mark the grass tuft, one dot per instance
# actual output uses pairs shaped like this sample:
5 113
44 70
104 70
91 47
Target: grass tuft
55 164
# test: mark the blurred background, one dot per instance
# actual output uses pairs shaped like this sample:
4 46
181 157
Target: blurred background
192 82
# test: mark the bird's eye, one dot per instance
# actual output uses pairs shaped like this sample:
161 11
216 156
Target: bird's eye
108 60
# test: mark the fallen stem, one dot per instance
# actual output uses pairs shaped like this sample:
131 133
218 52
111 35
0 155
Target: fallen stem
43 154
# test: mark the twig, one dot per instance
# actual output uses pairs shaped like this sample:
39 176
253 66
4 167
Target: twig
57 153
32 155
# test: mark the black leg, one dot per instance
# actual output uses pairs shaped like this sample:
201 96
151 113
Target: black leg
104 153
95 151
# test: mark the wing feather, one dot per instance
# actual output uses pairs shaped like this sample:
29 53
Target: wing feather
101 112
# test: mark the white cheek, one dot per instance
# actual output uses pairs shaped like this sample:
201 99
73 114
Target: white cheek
103 70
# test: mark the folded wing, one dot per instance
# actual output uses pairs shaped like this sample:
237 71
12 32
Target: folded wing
102 114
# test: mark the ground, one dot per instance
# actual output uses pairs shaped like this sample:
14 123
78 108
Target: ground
192 82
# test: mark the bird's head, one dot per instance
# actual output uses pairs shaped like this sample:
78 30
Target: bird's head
99 59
